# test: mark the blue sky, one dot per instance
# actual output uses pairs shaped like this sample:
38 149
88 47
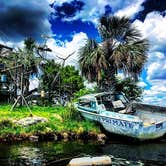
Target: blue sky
68 23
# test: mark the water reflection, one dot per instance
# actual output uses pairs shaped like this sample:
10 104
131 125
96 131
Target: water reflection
146 153
60 153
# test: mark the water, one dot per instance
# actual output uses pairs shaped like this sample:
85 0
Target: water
60 153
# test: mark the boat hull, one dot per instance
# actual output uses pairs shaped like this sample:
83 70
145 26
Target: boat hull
141 133
125 125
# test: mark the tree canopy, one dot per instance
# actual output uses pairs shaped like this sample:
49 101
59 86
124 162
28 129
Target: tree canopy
68 81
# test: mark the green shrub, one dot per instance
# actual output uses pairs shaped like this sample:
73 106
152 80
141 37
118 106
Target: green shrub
6 123
83 91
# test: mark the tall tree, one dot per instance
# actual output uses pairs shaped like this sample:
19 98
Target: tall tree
71 81
122 49
50 70
27 57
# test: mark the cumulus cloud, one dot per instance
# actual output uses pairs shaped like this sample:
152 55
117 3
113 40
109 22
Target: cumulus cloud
156 94
142 84
24 19
156 66
92 10
130 10
153 28
63 49
149 6
13 45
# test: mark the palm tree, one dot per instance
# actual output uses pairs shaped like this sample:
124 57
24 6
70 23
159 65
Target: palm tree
27 57
92 60
122 49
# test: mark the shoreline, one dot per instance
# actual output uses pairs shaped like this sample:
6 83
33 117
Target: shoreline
55 136
47 124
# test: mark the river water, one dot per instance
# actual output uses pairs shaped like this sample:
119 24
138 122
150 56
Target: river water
60 153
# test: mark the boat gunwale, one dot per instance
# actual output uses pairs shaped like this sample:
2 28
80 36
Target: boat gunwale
154 108
138 121
141 121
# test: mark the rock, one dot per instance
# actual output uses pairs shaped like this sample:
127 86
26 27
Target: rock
55 137
34 138
65 135
90 161
31 120
101 137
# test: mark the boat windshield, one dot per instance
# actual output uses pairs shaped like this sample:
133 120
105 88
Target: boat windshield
87 103
109 101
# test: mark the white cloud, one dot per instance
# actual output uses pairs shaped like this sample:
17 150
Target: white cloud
154 100
142 84
34 83
131 9
51 1
154 97
156 70
67 48
93 9
60 2
11 44
154 29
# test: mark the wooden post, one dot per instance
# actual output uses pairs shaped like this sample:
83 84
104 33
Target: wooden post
21 86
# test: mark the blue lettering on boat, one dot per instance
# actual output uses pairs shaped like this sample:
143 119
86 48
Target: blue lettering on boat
116 122
159 125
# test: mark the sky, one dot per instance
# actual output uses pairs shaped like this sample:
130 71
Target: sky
69 23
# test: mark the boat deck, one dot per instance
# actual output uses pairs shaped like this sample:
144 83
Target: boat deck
148 118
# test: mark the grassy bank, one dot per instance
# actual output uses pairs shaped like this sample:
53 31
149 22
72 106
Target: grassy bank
60 119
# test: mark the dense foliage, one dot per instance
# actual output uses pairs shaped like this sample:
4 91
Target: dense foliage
67 79
129 88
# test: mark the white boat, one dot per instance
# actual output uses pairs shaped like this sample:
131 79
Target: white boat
117 115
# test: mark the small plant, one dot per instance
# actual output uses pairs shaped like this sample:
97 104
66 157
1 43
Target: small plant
6 123
70 113
83 91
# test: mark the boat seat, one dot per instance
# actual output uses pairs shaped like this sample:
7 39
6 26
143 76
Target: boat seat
127 110
122 111
121 108
118 104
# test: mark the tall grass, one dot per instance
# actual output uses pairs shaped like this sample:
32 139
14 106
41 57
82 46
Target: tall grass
60 119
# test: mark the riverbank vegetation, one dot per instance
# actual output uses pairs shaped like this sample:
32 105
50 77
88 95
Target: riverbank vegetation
60 120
